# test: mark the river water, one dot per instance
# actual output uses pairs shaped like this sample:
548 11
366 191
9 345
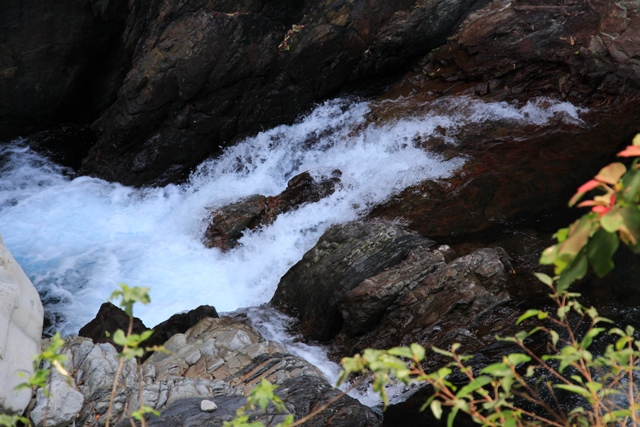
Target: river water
77 238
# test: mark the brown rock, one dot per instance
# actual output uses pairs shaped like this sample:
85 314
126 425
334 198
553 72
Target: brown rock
516 51
229 222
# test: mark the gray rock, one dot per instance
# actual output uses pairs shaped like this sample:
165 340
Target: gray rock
21 316
208 406
61 407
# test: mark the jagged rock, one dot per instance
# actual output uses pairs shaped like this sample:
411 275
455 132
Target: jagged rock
379 286
21 317
107 321
228 223
204 73
304 395
179 323
218 359
517 51
427 301
313 289
61 407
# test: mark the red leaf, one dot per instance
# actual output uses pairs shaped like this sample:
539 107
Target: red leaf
630 151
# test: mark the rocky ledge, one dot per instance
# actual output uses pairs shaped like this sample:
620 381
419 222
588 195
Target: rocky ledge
218 360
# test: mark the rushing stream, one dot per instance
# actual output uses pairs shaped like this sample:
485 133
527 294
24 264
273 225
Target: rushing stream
77 238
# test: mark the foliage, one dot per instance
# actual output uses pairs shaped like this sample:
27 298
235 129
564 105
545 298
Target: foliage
131 345
505 393
263 395
595 237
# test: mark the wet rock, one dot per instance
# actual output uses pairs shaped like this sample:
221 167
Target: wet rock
515 51
313 289
427 301
228 223
377 286
305 395
107 321
207 72
186 413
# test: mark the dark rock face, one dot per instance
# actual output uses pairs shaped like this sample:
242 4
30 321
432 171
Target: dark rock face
304 395
228 223
516 51
109 319
59 60
375 285
208 71
314 288
427 301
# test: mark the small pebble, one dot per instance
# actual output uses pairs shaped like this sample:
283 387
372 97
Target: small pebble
208 406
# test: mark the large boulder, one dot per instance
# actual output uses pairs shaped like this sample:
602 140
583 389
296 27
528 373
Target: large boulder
313 289
515 52
21 317
375 285
206 72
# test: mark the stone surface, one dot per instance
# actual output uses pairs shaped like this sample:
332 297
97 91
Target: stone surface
218 359
204 73
345 255
228 223
428 301
208 406
516 51
379 286
21 317
108 320
61 407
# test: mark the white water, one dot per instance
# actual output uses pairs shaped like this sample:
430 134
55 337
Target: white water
77 238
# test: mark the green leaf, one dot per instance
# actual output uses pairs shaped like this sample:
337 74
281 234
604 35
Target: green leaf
576 270
527 314
544 278
452 417
578 237
436 408
631 186
473 386
517 358
418 351
401 351
600 249
574 389
612 220
554 337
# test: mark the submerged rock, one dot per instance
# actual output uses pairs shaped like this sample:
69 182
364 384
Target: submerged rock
228 223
